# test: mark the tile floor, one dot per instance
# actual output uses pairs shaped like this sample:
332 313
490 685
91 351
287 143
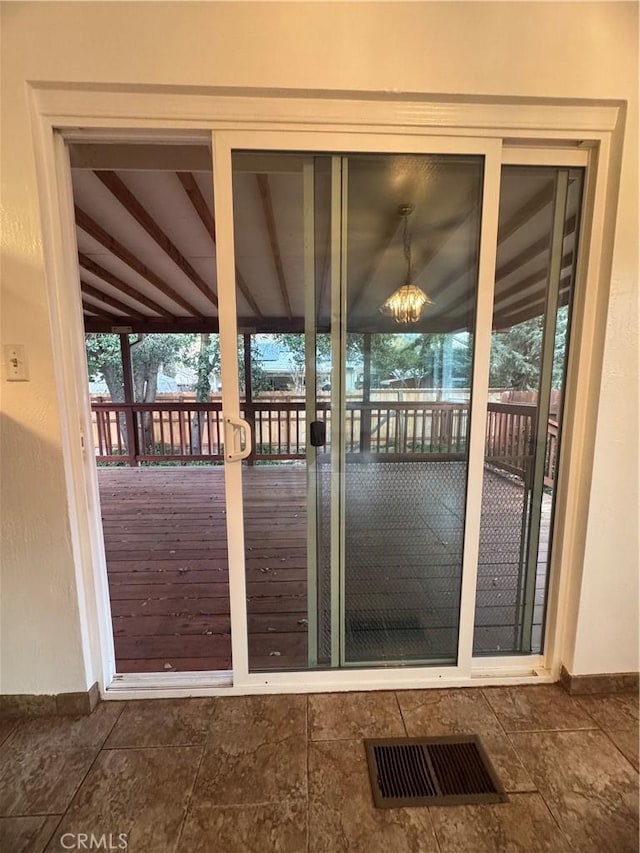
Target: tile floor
288 774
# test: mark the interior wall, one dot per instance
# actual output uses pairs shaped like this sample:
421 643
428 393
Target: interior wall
568 50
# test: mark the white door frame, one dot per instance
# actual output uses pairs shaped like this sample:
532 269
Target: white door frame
563 132
223 142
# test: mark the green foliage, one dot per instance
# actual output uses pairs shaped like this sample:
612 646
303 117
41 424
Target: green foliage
560 346
104 359
412 360
102 350
294 344
420 361
149 353
205 359
259 379
516 354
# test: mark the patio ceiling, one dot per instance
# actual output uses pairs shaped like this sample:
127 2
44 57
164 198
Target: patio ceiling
147 242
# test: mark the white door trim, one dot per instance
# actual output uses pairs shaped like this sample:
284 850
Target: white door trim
81 112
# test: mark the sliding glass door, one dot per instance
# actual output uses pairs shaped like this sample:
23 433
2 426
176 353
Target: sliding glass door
357 281
400 333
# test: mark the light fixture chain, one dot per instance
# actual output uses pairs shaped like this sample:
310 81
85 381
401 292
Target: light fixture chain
406 303
407 247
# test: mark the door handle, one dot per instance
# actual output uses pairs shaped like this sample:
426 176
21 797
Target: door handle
236 428
317 433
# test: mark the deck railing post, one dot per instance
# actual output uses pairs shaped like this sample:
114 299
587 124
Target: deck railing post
100 432
365 415
132 436
249 410
250 418
133 449
552 447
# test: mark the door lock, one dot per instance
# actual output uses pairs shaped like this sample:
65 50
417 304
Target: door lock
318 433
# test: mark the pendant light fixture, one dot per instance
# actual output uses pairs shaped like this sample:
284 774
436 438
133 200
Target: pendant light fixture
407 303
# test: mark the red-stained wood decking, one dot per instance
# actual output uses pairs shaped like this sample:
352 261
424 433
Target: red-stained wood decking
166 546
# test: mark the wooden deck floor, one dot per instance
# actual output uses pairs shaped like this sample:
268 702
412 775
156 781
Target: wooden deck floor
166 547
165 541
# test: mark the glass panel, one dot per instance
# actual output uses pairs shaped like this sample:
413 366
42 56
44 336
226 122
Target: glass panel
155 401
282 246
410 220
537 250
354 527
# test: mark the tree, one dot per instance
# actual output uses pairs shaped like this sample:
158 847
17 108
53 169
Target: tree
560 347
259 380
515 356
205 361
294 345
434 360
149 353
401 357
105 360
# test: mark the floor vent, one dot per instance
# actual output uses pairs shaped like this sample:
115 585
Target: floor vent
436 771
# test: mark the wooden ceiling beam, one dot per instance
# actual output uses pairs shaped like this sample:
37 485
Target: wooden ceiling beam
91 227
93 310
100 272
191 188
246 325
243 287
267 208
536 278
532 298
389 232
127 199
434 247
530 280
526 211
94 293
249 326
507 320
519 218
421 259
532 251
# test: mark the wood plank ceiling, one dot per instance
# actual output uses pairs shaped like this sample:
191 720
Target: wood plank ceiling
146 238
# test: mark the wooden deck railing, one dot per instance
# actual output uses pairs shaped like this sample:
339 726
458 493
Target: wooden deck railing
191 432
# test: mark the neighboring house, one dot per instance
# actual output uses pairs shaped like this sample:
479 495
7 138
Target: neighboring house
285 370
186 378
166 385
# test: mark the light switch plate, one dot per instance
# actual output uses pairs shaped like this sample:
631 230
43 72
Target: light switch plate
15 363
